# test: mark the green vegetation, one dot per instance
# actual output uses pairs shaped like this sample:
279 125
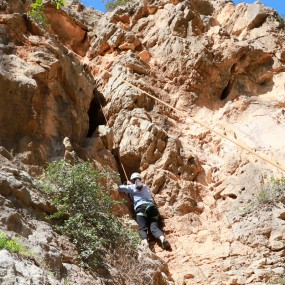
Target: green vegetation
112 4
12 245
249 208
269 194
58 3
272 192
38 8
84 210
37 11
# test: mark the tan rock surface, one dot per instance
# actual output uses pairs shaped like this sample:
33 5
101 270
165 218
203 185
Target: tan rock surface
222 64
219 68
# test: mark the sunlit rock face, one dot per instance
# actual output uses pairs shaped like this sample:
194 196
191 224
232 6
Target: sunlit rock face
92 78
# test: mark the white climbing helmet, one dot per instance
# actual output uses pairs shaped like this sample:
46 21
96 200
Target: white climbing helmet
135 175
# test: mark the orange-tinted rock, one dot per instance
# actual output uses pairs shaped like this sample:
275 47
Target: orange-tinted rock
221 64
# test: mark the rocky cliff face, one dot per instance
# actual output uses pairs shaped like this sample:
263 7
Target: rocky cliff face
95 78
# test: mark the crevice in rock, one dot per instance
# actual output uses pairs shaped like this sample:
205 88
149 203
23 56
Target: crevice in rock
267 234
69 31
227 90
258 21
202 7
131 163
233 196
95 113
115 153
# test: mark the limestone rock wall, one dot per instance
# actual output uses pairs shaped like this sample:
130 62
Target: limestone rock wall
219 63
50 109
45 91
223 65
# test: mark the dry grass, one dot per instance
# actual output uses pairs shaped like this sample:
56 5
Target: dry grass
128 268
272 192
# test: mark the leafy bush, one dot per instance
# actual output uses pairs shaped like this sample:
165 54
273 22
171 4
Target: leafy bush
272 192
84 209
12 245
37 9
58 3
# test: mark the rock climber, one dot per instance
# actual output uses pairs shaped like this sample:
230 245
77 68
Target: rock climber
146 211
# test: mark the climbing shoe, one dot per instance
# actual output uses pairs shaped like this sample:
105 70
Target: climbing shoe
165 244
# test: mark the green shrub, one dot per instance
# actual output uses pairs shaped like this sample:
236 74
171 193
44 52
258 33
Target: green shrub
272 192
84 209
58 3
269 194
38 8
12 245
37 11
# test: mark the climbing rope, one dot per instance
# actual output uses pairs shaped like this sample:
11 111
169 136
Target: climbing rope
219 133
185 114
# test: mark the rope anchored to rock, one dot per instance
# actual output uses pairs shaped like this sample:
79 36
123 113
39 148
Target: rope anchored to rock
219 133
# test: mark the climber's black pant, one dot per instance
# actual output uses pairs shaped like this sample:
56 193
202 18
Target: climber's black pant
145 222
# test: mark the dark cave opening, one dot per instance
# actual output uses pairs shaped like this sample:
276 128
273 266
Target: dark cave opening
95 112
226 91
